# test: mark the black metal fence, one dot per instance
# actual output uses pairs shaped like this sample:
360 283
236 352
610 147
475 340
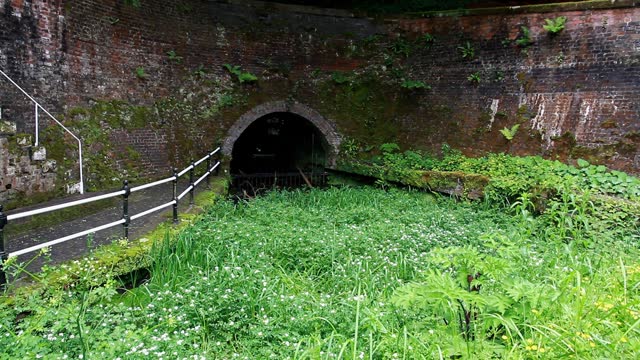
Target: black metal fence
252 184
126 219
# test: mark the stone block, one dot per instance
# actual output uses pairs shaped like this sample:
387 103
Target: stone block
49 166
39 154
24 140
73 188
8 127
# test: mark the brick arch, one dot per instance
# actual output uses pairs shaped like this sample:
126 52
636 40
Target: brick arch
326 127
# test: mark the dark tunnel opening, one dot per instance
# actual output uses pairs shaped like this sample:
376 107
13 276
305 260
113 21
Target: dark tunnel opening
279 149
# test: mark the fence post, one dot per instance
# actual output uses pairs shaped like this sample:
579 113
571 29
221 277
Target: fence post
175 195
125 208
208 169
192 173
3 254
218 160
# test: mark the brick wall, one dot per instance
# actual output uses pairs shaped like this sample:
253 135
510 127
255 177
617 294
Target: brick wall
583 82
574 94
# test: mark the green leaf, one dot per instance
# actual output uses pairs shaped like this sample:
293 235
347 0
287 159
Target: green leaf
582 163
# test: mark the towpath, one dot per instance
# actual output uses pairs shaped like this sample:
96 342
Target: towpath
76 248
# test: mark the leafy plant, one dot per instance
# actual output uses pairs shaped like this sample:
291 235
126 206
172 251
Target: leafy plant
389 147
242 76
340 77
173 56
134 3
427 40
474 78
554 26
401 47
414 84
467 51
509 133
525 37
199 71
141 73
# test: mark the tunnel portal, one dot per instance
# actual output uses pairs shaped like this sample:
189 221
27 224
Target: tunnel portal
279 149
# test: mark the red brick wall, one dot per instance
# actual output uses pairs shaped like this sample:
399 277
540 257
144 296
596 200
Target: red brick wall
584 83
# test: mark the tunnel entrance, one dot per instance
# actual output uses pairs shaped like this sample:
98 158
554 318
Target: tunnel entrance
280 149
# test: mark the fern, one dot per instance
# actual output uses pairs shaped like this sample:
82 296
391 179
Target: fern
554 26
510 133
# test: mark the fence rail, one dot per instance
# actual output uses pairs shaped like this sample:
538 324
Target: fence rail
253 183
126 217
37 132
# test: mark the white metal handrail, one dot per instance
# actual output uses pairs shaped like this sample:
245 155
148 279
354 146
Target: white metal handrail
152 210
150 185
63 206
123 221
38 106
66 238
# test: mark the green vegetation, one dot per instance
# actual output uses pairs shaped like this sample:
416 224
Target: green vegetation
340 77
427 40
134 3
173 56
467 51
414 84
554 26
401 47
525 37
242 76
512 176
141 73
474 78
509 133
356 273
199 72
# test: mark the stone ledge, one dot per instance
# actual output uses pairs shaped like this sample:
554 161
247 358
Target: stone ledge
524 9
453 183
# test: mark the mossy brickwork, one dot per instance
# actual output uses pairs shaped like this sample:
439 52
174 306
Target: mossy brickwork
147 90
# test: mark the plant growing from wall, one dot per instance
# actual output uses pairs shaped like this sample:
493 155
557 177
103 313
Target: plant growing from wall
134 3
199 71
242 76
554 26
525 37
340 77
414 84
173 56
474 78
427 40
467 51
401 47
510 133
141 73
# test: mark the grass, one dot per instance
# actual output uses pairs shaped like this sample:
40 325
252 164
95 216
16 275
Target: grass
357 273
